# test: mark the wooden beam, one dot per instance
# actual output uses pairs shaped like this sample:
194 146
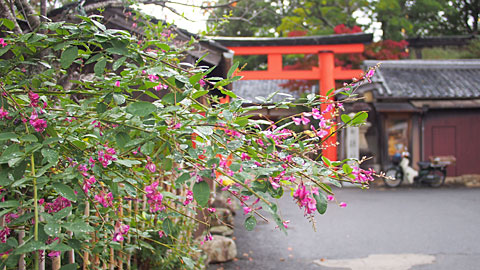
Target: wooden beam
303 49
312 74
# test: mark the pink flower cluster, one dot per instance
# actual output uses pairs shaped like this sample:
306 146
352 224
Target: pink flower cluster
106 157
120 231
154 197
188 198
88 182
57 205
105 199
155 78
362 176
38 124
34 97
304 199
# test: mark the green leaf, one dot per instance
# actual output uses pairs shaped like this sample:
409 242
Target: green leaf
359 118
201 193
52 229
147 148
127 162
119 99
9 204
29 247
65 191
228 93
94 58
167 164
99 67
141 108
118 63
346 118
232 69
250 223
78 227
346 168
326 160
62 213
182 178
9 24
196 78
199 94
321 202
29 138
189 263
68 56
122 139
99 25
168 226
101 107
7 136
50 155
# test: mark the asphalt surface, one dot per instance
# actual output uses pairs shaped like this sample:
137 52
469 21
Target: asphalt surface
441 225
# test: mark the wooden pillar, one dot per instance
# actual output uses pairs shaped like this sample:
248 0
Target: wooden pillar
326 66
275 63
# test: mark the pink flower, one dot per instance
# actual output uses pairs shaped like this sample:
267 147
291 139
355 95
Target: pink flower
117 83
3 43
343 205
54 254
188 198
212 210
246 210
202 83
59 203
329 108
134 25
316 114
285 223
120 231
161 234
105 200
153 77
3 113
302 120
151 167
330 197
34 97
88 182
245 156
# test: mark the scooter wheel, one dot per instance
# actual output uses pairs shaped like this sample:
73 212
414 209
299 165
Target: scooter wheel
437 178
394 177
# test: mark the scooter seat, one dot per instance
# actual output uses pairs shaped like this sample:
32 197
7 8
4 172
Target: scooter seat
424 164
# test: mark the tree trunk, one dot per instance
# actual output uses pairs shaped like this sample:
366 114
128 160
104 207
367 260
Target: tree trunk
5 12
28 12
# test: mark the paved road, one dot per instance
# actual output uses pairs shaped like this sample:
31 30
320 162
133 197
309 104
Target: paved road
406 228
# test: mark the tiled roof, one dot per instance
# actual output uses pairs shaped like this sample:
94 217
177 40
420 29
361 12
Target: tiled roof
426 79
250 89
292 41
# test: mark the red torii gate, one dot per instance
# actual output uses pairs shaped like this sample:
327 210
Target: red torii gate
326 73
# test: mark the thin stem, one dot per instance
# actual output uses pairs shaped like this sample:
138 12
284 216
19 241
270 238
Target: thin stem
35 203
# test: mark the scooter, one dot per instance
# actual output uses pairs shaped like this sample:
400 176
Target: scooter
430 173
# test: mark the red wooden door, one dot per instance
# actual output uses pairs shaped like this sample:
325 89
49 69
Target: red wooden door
444 144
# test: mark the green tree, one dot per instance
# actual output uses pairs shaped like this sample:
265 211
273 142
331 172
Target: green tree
401 19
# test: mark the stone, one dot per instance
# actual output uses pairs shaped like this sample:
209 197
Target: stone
221 230
221 202
223 216
219 249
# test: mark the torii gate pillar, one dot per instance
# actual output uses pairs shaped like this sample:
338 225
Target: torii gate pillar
326 66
